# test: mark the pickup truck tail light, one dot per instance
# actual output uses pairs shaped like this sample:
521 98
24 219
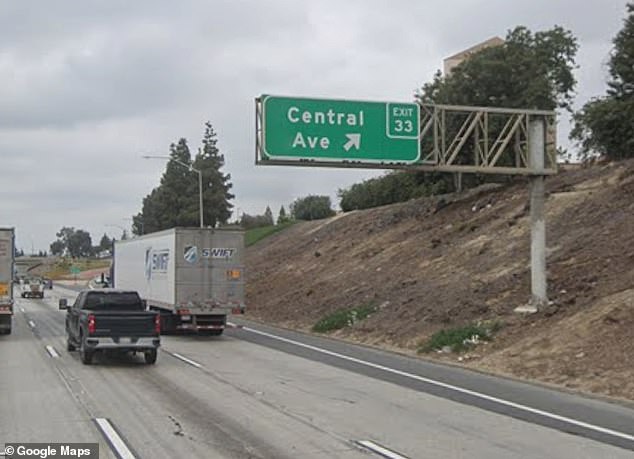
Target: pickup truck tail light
157 324
92 326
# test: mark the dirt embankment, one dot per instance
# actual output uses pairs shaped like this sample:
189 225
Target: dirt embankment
441 262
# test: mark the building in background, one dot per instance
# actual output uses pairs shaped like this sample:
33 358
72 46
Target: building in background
450 62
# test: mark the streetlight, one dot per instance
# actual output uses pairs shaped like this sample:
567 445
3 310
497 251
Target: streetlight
191 168
123 230
142 224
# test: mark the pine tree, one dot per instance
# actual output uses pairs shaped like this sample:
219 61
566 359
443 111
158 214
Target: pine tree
622 60
268 216
282 217
216 184
176 201
105 243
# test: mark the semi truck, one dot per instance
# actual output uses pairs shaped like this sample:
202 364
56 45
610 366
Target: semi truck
194 277
7 254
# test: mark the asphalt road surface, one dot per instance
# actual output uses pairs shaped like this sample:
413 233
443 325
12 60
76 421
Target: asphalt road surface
261 392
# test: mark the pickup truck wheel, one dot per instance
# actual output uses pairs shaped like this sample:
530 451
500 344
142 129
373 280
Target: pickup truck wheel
70 347
85 354
150 356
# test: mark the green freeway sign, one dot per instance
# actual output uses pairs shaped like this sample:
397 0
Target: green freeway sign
339 130
75 270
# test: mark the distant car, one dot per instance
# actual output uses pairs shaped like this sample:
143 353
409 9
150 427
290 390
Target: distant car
31 288
48 283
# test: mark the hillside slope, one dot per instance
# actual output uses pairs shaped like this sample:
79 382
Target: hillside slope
434 263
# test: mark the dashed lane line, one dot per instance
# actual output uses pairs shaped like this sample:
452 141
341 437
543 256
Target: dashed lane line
114 439
380 450
51 351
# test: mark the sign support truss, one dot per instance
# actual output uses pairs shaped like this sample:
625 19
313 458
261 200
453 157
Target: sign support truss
482 140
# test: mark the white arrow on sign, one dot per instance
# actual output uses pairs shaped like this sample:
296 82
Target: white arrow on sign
354 140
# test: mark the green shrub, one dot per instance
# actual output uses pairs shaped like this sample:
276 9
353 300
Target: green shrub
343 318
460 338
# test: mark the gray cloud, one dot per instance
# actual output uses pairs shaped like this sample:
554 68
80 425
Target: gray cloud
87 87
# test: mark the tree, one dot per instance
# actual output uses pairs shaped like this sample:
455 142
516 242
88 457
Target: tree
605 126
216 184
256 221
268 216
105 243
530 70
393 187
76 242
282 217
57 248
175 202
312 208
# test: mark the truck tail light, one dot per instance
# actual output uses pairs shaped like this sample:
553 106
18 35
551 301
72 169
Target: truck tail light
92 326
157 324
5 308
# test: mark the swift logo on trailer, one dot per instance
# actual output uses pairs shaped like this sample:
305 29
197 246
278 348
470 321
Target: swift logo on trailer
156 261
218 253
191 253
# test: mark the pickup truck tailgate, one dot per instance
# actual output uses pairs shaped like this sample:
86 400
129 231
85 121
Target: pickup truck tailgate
124 324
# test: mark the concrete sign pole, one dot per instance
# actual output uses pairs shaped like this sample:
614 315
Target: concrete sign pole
538 219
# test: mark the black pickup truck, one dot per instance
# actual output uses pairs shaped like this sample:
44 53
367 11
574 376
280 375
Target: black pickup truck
115 320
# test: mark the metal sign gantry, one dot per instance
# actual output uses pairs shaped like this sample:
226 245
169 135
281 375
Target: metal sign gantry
483 140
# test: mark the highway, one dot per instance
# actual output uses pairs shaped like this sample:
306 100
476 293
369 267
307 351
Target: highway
262 392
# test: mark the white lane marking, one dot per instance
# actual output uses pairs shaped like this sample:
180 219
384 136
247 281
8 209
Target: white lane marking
22 310
232 325
51 350
115 440
185 359
31 324
472 393
380 450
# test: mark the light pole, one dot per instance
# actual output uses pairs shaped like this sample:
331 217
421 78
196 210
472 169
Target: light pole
191 168
123 230
142 224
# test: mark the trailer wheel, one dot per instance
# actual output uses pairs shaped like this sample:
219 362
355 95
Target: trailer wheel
150 356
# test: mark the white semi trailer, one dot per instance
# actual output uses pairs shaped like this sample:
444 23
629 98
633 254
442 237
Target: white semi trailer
193 276
7 254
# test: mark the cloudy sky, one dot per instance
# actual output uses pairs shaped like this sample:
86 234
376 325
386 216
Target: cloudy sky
87 87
